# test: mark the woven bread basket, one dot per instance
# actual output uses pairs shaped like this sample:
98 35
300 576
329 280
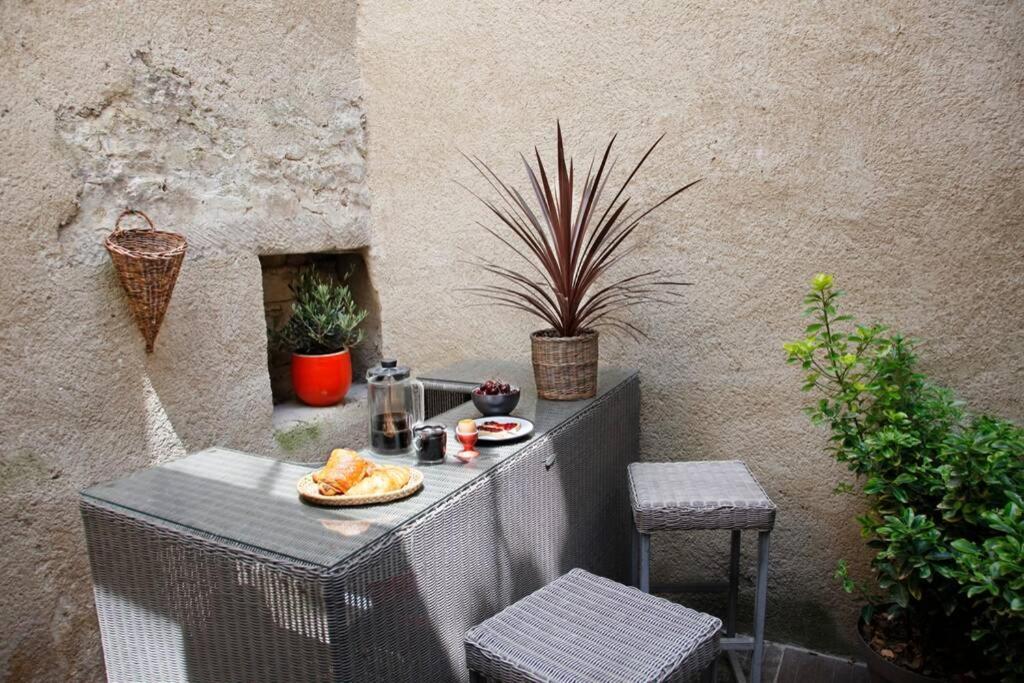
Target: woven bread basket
309 491
147 262
564 368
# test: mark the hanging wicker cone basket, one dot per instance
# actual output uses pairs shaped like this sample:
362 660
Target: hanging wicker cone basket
147 262
564 368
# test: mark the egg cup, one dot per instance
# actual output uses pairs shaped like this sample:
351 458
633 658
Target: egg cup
468 440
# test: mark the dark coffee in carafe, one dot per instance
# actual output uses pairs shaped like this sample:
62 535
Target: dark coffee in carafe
390 433
395 402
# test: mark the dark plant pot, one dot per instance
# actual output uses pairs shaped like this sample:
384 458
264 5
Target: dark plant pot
882 670
321 380
564 368
496 404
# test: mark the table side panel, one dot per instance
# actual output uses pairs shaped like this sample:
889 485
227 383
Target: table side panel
175 607
399 611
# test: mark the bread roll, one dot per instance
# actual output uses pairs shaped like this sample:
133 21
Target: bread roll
384 479
337 455
344 469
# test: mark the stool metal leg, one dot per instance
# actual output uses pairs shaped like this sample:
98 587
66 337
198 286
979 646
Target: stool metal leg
645 563
634 550
734 583
757 661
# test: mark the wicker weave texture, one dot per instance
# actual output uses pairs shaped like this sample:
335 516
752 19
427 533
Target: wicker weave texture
175 607
440 397
564 368
176 603
206 493
503 537
147 262
203 491
698 495
585 628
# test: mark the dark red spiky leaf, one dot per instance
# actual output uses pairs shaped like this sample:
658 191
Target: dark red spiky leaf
574 253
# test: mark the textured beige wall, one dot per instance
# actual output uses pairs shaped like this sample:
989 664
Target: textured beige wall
881 142
238 124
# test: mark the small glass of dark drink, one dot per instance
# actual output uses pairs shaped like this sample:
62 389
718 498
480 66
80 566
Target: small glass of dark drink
431 443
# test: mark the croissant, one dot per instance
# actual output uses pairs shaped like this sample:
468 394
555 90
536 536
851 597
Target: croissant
336 455
343 470
383 479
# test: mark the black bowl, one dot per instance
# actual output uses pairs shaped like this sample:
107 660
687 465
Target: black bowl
496 404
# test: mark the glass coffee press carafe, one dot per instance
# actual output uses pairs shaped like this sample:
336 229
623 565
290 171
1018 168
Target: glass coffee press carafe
396 406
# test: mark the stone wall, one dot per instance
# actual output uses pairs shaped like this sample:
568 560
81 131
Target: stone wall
881 141
240 125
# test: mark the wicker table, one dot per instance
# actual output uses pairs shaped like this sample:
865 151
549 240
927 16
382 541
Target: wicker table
209 568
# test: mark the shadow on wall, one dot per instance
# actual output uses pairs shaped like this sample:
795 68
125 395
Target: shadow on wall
701 556
90 413
208 372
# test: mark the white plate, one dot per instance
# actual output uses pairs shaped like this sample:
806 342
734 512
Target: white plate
525 429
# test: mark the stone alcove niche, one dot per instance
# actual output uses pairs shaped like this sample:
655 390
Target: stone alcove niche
279 270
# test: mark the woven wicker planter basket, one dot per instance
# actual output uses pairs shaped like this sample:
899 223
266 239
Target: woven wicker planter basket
564 368
147 262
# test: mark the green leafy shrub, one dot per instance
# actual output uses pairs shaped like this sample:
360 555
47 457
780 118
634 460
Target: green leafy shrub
943 491
325 317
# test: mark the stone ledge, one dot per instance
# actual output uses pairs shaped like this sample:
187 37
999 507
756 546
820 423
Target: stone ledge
307 432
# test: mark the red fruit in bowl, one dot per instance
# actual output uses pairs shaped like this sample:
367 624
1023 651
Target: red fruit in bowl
493 387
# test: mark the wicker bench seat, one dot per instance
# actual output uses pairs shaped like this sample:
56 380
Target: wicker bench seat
697 495
583 627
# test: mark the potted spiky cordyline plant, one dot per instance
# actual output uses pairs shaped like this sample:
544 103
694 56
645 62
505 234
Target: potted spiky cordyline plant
572 254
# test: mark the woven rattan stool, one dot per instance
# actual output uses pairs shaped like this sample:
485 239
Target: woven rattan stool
706 495
583 628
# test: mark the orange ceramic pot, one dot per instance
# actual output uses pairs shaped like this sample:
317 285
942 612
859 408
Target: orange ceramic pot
321 380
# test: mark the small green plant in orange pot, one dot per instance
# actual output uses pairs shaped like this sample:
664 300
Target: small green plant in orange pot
323 326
